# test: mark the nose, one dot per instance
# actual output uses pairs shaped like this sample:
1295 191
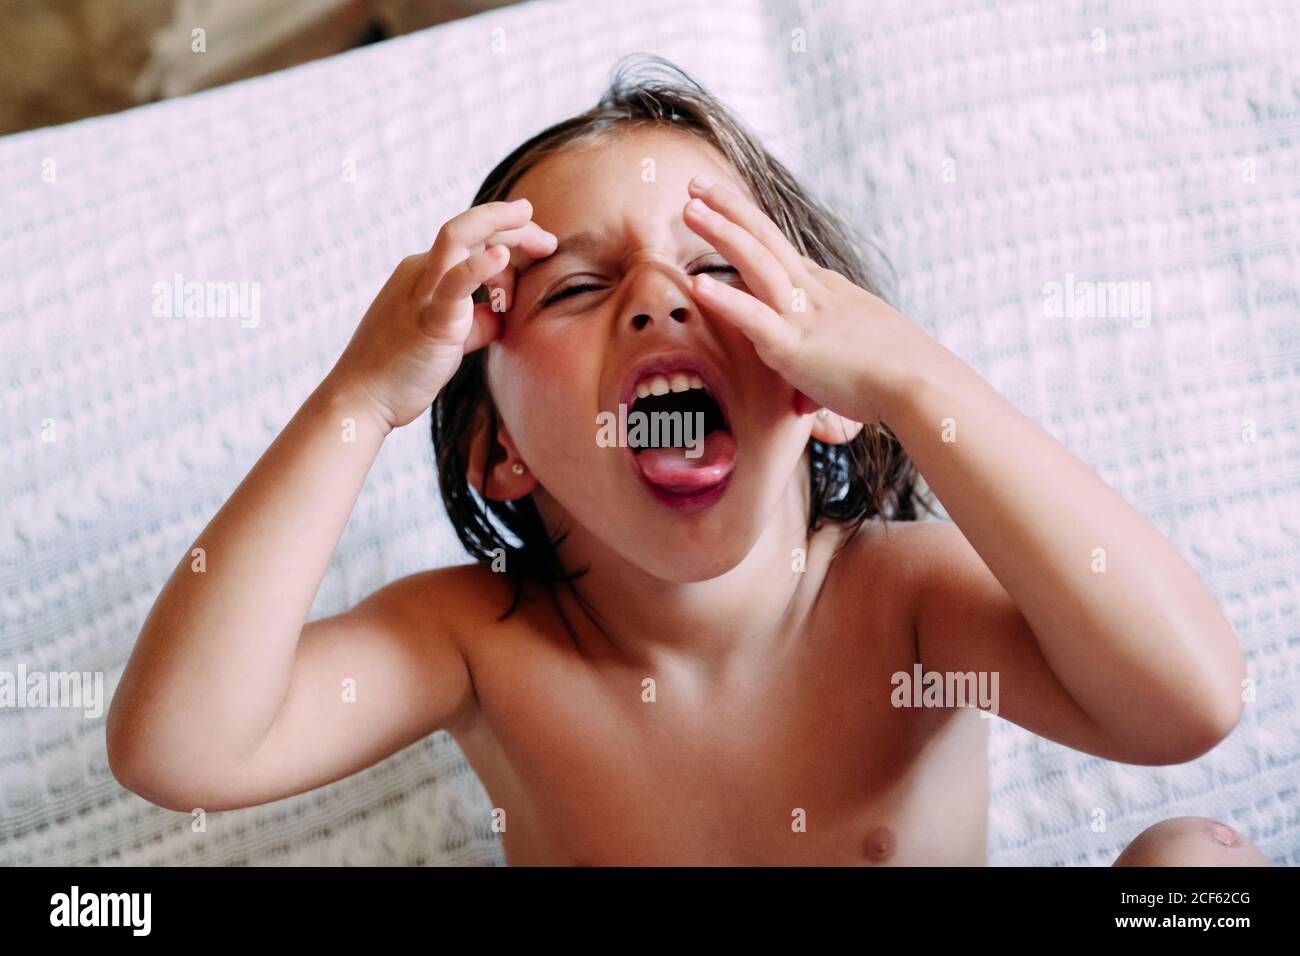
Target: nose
657 300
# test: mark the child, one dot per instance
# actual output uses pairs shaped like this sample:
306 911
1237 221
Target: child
698 653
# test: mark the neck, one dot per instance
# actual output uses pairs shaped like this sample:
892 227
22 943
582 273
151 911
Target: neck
703 624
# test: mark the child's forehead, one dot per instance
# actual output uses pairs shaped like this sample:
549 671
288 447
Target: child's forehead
621 161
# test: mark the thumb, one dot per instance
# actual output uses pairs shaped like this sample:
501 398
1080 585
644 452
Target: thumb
774 338
487 327
442 315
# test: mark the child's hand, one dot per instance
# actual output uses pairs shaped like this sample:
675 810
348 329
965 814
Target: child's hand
412 338
838 344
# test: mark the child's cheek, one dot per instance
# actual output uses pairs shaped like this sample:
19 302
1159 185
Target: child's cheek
545 386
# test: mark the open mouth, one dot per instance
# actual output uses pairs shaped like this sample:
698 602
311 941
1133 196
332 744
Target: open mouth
680 441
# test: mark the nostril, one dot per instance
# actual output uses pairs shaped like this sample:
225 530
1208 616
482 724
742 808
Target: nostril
679 314
639 321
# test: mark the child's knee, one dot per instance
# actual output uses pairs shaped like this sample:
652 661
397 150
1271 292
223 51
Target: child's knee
1191 841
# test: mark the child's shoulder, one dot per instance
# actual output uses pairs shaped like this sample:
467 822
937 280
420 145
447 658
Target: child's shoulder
896 558
899 544
461 598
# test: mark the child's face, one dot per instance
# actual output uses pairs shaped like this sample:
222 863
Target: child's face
678 514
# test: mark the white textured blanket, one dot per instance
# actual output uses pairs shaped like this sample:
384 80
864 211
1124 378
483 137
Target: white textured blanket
990 149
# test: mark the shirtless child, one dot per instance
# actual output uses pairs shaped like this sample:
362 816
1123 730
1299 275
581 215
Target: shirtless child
698 661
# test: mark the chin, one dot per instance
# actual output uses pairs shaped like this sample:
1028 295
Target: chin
697 546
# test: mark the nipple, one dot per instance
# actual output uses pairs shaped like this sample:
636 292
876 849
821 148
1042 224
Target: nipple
879 845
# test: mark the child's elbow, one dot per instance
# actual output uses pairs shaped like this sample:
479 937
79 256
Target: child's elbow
125 767
1212 730
1234 710
1218 707
134 772
1230 701
152 789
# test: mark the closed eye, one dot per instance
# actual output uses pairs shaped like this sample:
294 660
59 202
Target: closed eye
584 287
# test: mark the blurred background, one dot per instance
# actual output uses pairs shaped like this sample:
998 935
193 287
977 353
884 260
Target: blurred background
64 60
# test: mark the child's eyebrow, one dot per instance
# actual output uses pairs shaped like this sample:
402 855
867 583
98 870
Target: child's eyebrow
578 244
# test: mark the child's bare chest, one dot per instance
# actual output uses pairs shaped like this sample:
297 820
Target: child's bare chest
803 762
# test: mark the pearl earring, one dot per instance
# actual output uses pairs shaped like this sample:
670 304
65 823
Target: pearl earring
823 413
517 468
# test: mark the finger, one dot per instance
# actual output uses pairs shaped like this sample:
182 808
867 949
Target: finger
487 327
457 284
775 338
407 274
501 290
761 271
527 243
530 240
465 233
740 209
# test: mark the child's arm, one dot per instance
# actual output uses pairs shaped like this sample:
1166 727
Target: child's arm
196 720
1104 638
228 700
1136 662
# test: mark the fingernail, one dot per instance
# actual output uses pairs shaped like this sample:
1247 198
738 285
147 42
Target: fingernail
697 207
702 182
520 202
704 281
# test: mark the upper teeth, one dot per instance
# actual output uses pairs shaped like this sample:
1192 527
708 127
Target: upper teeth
663 384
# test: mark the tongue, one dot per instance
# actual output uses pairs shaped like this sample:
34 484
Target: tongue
671 470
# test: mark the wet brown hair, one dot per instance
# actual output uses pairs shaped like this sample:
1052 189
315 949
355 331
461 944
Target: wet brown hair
867 477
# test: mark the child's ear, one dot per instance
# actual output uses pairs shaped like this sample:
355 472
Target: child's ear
834 429
508 477
829 428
